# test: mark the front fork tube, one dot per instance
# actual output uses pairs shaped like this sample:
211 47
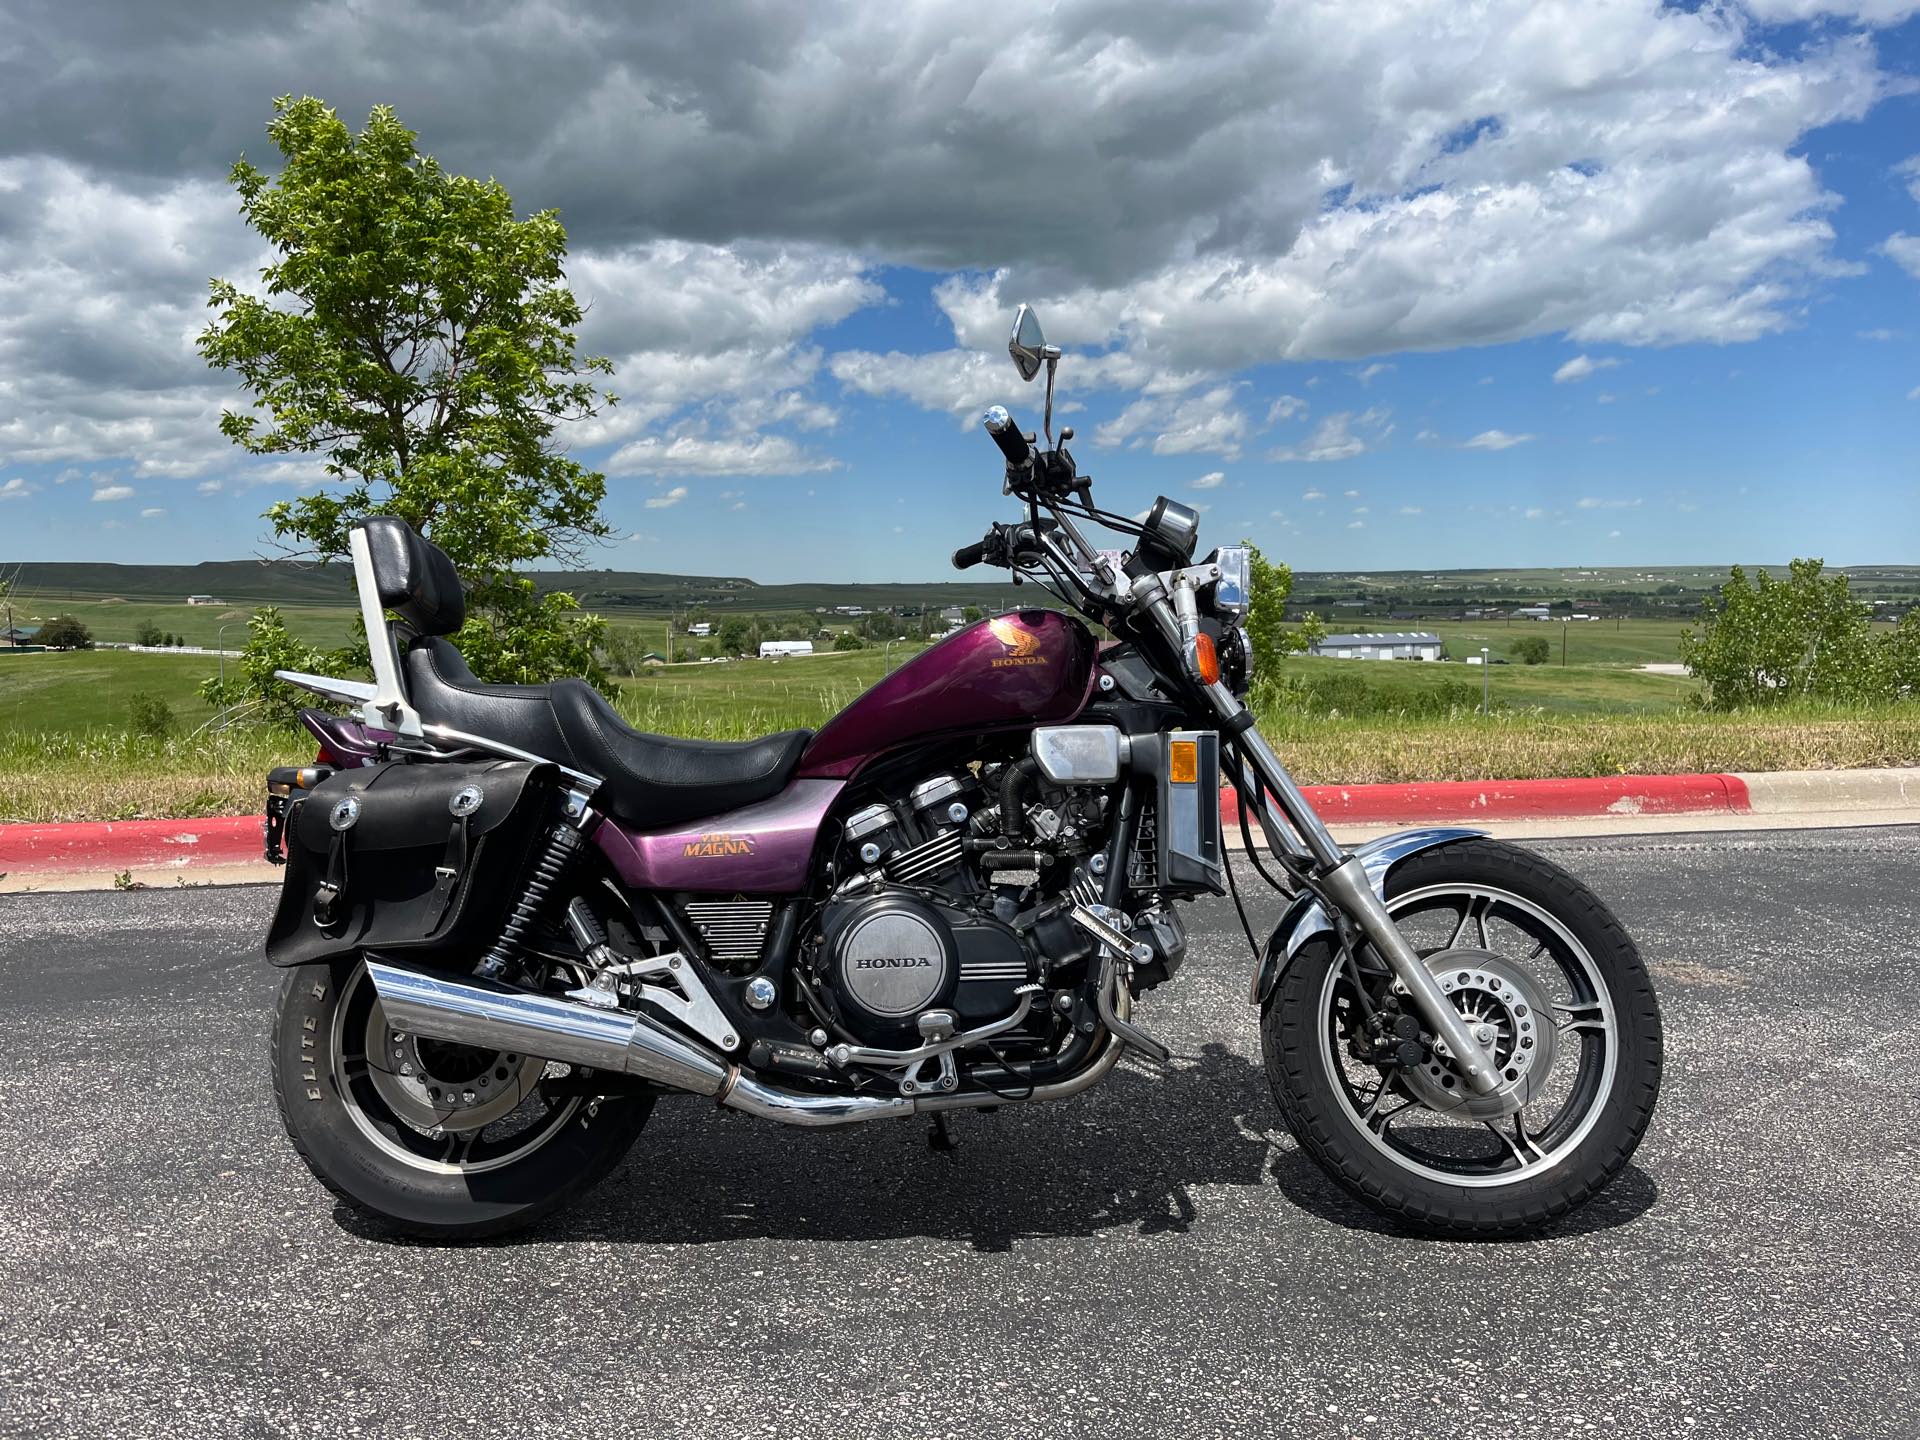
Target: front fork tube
1340 879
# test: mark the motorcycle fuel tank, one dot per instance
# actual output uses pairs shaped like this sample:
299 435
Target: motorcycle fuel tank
1031 667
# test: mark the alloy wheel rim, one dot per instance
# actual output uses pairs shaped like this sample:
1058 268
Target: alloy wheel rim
397 1115
1515 1146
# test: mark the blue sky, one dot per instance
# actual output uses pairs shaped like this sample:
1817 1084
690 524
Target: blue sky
1626 288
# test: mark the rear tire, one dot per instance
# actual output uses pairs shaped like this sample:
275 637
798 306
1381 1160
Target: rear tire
1607 1053
364 1137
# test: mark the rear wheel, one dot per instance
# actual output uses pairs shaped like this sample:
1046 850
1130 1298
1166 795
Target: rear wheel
1551 985
440 1140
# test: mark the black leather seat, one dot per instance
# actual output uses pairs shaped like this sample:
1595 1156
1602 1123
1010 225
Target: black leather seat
651 781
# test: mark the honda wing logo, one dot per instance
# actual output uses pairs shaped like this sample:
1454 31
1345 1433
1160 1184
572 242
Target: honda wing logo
1023 646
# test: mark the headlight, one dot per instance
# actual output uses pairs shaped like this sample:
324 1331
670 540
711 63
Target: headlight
1234 588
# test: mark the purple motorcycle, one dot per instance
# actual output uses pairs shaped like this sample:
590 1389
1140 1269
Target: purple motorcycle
510 923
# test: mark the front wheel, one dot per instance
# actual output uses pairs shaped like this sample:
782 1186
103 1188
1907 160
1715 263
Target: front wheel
1550 983
438 1140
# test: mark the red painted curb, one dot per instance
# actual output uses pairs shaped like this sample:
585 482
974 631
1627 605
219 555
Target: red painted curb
130 844
1525 799
236 839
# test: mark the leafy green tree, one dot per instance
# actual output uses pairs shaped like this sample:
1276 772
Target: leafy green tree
419 336
1901 657
1267 633
64 632
736 634
249 687
1767 641
624 649
1532 650
147 633
971 613
848 640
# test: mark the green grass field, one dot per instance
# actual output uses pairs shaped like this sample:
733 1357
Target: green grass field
1578 689
1588 642
65 752
752 697
115 622
78 691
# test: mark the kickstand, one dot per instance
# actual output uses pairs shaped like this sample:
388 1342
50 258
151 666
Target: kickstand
938 1138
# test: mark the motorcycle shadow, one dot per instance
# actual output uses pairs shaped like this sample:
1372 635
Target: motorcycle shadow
1131 1154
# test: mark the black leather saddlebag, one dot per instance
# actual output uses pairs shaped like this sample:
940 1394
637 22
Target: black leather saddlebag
423 858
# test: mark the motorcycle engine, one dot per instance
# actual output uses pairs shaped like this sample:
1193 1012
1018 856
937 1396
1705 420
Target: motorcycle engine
914 930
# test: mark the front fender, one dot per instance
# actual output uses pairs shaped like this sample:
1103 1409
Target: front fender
1307 918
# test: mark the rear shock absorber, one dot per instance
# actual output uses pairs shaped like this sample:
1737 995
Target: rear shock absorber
502 962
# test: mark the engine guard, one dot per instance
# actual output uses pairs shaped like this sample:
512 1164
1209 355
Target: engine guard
1306 918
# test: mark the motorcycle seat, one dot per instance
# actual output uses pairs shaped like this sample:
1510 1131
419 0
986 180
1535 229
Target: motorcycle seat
650 781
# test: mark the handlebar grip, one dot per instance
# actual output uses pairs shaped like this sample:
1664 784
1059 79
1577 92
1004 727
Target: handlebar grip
968 556
1007 435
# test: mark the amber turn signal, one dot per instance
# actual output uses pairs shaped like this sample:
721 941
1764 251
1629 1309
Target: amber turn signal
1183 762
1206 659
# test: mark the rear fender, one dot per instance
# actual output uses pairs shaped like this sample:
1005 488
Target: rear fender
1306 918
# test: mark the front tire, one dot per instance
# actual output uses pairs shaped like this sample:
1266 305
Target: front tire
436 1140
1558 992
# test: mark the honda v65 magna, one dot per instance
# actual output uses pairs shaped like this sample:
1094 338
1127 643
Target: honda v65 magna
510 923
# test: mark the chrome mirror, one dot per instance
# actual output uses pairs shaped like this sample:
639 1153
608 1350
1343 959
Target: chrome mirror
1028 343
1030 350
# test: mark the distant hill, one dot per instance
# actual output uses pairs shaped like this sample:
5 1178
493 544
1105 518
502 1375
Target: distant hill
1660 589
277 583
253 582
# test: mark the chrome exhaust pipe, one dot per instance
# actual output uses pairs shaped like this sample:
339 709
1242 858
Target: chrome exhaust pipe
444 1007
796 1107
492 1017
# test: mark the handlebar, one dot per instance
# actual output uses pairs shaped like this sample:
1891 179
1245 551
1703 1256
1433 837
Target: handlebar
968 556
1007 435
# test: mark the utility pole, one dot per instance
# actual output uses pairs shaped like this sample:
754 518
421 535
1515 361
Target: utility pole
1564 620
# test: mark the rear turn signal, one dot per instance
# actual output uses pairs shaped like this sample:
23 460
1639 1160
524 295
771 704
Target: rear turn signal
1206 659
1183 762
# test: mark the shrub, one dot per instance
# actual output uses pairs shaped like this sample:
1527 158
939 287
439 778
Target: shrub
150 716
847 640
1534 650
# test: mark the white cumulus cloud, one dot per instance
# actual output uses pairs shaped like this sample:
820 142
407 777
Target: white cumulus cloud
1495 440
1580 367
1339 437
690 454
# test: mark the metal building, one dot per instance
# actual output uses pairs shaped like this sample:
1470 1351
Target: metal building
1400 645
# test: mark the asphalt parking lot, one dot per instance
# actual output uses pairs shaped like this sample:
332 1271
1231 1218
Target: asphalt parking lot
1152 1258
